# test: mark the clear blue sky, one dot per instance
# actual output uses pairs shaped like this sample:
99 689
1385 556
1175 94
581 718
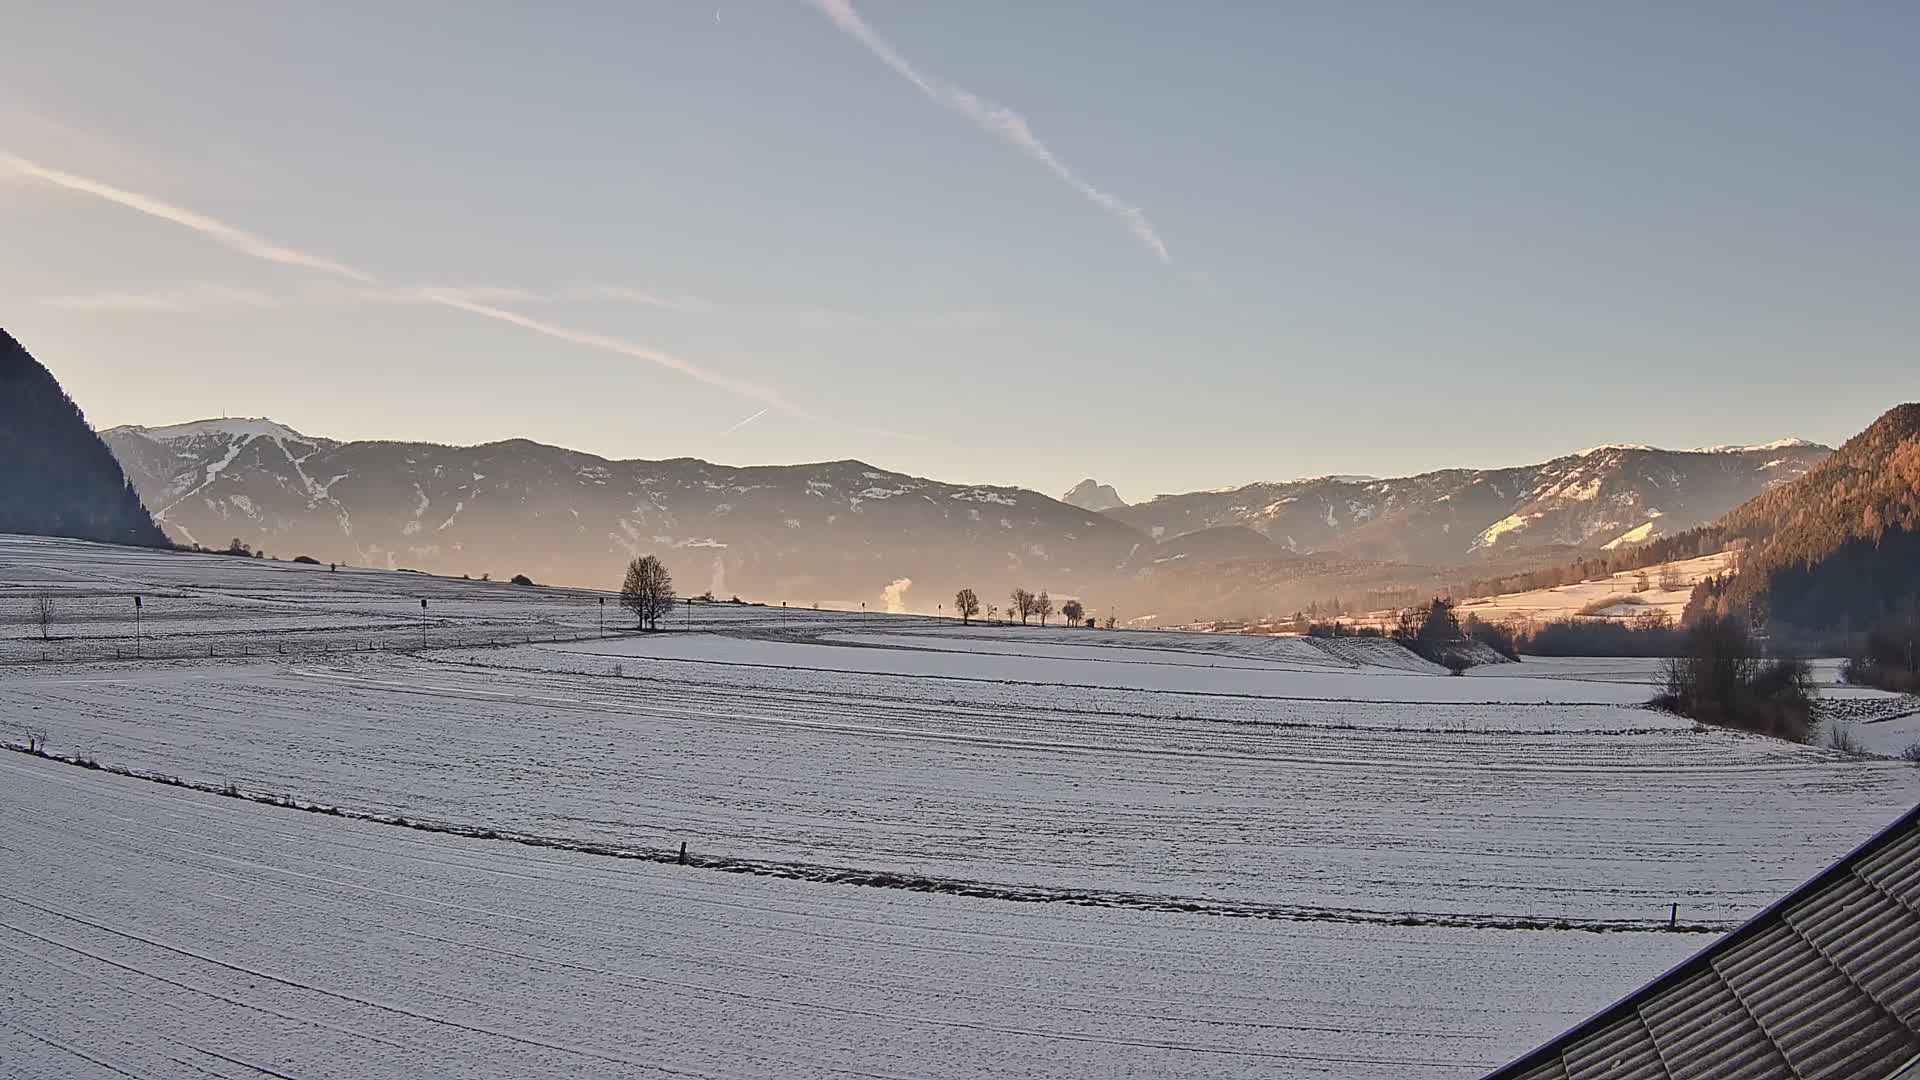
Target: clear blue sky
1397 236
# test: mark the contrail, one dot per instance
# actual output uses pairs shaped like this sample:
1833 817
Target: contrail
260 248
219 231
745 422
996 119
453 299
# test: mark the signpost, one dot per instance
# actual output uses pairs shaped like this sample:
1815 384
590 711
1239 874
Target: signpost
136 625
603 616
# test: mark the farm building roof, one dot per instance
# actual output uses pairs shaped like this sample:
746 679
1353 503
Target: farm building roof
1825 983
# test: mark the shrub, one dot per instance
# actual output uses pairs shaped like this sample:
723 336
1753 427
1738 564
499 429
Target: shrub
1338 629
306 560
1911 753
1720 679
1648 634
1500 639
1433 633
1889 659
522 579
1840 737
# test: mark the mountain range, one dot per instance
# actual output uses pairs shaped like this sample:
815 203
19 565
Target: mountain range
844 532
1604 497
839 532
1829 540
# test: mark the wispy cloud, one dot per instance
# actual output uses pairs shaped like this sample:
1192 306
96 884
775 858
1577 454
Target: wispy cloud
744 423
192 298
480 302
996 119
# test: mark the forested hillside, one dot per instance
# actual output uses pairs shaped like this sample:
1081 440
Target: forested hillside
56 477
1838 548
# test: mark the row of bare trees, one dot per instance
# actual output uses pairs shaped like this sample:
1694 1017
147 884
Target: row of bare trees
1022 603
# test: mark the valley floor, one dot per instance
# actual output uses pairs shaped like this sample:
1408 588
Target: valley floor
916 849
172 933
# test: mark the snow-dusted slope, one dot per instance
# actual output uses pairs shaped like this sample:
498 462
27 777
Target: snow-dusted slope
835 532
1617 494
1619 596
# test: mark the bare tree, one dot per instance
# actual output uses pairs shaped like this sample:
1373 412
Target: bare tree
1022 605
992 610
43 614
1109 622
1043 606
1073 611
1671 579
967 604
648 591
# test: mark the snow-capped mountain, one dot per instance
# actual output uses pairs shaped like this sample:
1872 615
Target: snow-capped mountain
1605 496
841 532
836 532
1089 494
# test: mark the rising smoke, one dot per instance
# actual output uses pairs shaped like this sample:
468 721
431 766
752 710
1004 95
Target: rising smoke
896 595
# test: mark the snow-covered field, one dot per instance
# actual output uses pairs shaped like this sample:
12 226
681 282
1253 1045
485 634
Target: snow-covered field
1616 597
1085 853
167 933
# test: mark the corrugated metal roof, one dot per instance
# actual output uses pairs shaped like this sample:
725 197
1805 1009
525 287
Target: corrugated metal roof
1823 984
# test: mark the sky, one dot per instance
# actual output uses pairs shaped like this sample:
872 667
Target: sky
1169 246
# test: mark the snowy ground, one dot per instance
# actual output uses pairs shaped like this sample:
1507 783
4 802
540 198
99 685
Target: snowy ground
172 934
1078 811
1617 597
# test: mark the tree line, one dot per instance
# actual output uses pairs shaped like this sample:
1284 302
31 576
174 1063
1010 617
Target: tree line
1024 605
